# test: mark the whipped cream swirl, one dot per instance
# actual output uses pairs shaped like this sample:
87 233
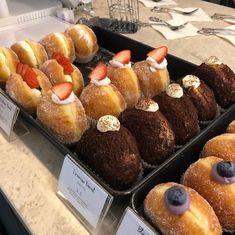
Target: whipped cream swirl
118 64
68 100
174 90
147 105
154 66
191 81
213 60
104 82
108 123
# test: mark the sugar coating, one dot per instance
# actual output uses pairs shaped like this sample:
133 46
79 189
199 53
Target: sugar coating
220 196
222 146
199 219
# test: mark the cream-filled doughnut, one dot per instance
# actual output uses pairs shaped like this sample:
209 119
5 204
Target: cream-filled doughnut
59 42
30 52
85 42
8 63
179 210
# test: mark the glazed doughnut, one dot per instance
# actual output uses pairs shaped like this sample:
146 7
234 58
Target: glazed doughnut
85 42
222 146
8 63
178 210
30 52
214 179
59 42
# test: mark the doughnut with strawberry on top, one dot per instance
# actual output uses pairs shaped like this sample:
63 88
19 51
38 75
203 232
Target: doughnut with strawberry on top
26 86
61 112
59 69
124 78
152 73
101 97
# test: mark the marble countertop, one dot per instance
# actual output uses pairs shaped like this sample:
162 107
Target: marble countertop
194 49
30 165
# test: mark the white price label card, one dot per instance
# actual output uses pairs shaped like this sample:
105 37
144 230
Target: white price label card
8 113
85 195
132 224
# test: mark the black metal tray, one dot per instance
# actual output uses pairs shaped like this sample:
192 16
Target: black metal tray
185 157
111 43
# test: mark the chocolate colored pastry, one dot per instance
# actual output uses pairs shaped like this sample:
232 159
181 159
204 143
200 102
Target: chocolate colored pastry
111 151
201 95
152 131
179 111
222 146
220 78
179 210
231 127
214 179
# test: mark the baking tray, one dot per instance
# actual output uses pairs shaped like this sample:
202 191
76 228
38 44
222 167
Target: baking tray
185 157
111 43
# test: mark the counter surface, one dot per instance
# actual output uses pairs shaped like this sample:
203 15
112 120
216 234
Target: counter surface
30 165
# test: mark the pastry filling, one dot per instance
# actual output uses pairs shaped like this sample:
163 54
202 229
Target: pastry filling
154 65
147 105
104 82
68 78
28 48
177 200
62 41
224 172
4 59
68 100
191 81
108 123
213 60
118 64
174 90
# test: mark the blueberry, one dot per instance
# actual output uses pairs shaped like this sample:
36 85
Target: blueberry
226 169
176 196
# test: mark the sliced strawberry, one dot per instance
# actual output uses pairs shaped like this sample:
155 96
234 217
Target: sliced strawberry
30 78
99 72
123 56
158 54
19 68
64 62
57 55
63 90
24 69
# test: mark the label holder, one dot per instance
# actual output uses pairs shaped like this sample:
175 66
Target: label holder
138 227
78 214
8 115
